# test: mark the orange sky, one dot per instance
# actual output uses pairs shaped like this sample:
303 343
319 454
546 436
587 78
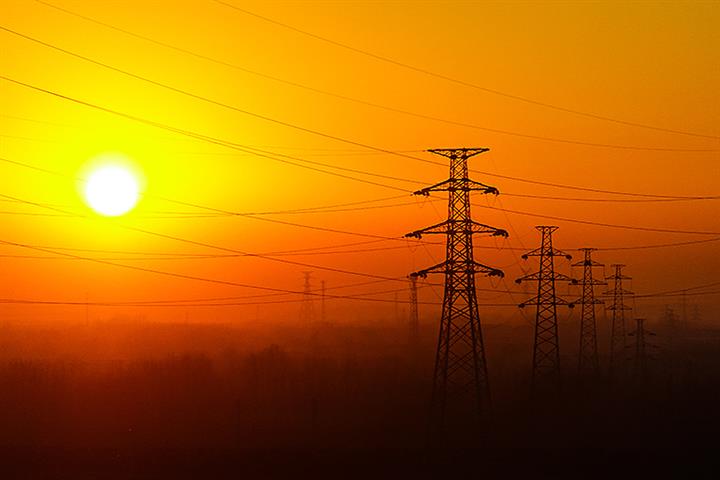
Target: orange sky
642 63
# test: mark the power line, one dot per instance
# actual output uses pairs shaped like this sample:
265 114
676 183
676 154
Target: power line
184 276
223 211
209 100
360 101
653 198
661 245
599 224
232 250
613 200
462 82
197 136
264 153
681 290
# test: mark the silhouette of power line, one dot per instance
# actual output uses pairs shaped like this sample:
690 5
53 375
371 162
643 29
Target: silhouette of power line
248 215
274 156
463 82
366 102
599 224
460 381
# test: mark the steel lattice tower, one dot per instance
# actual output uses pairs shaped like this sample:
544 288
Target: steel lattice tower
641 344
546 346
414 319
460 383
307 308
588 353
323 318
618 308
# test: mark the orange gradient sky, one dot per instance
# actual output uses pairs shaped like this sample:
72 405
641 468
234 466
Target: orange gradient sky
654 64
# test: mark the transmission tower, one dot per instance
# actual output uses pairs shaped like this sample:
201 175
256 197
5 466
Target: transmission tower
307 307
460 383
588 353
696 317
323 317
546 346
414 320
618 308
641 344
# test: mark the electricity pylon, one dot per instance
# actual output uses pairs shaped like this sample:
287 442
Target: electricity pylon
641 344
307 308
546 346
323 318
696 317
588 353
460 374
618 308
414 319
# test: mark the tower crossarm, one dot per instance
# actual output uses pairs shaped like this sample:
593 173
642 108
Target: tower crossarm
618 277
482 228
458 152
449 227
594 282
591 263
458 184
613 306
537 301
535 277
548 253
447 267
594 301
620 291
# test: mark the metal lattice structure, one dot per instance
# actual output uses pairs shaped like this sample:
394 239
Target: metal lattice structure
460 382
323 317
307 307
546 345
640 359
618 335
414 319
588 362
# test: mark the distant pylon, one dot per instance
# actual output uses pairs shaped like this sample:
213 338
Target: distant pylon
617 329
307 307
460 373
323 317
546 346
696 317
588 353
641 344
414 320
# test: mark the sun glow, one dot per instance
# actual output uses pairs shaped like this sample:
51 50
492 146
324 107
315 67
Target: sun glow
111 190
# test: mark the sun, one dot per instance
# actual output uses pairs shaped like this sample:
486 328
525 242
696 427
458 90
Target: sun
111 190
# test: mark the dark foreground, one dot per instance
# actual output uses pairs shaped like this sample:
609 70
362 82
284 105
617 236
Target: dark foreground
185 403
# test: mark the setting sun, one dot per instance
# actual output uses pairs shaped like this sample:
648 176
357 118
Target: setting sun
258 238
111 190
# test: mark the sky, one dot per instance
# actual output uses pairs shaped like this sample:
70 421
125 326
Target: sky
321 82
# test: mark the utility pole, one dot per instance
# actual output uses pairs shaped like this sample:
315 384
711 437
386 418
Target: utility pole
618 308
546 346
307 308
414 320
588 353
460 394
